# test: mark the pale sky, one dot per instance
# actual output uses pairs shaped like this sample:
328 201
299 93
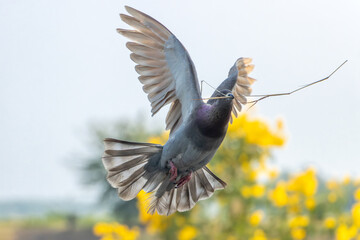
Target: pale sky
63 67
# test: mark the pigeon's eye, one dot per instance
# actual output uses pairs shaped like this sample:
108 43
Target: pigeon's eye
229 95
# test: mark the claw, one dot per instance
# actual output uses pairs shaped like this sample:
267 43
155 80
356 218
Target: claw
183 180
173 171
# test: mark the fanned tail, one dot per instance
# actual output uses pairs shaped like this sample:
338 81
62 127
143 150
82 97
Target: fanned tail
202 185
131 167
125 163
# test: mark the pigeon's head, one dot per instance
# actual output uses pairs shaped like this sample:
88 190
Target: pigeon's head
223 102
222 97
228 95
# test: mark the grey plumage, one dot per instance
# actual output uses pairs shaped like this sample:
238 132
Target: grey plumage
175 173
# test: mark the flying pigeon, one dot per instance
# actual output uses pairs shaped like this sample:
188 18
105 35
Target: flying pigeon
175 173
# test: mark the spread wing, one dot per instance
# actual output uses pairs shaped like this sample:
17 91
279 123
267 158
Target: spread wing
166 71
239 83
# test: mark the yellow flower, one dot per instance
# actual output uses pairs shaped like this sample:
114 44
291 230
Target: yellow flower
273 173
310 203
332 197
253 175
259 235
124 233
298 233
294 199
347 180
110 231
343 232
235 129
355 212
256 217
258 190
246 191
278 196
245 165
159 139
357 194
155 222
144 217
305 183
187 233
102 228
330 222
257 131
299 221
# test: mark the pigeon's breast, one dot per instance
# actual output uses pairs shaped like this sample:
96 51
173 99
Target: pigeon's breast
200 147
194 144
211 122
189 149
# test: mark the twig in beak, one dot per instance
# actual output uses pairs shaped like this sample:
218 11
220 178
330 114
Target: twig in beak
262 97
214 98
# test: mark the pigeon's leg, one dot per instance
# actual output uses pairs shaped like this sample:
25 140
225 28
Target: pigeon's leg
183 180
173 171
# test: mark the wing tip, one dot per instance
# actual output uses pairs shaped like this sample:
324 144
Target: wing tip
133 11
123 16
121 30
128 8
243 81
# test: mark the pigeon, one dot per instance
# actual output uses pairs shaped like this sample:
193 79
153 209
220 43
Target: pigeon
175 174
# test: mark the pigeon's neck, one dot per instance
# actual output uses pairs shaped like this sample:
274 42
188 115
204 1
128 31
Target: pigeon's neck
212 120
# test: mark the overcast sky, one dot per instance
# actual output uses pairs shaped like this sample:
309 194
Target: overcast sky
63 67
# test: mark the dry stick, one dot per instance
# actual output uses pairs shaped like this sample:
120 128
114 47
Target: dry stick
288 93
201 87
213 98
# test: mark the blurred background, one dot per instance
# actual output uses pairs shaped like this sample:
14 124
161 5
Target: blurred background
291 163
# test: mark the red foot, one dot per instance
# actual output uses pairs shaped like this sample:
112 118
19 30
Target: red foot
183 180
173 171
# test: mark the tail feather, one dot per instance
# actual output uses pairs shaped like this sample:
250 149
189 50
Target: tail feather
133 166
111 163
115 144
202 185
154 181
125 163
158 204
206 189
131 180
186 201
129 189
115 178
215 182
